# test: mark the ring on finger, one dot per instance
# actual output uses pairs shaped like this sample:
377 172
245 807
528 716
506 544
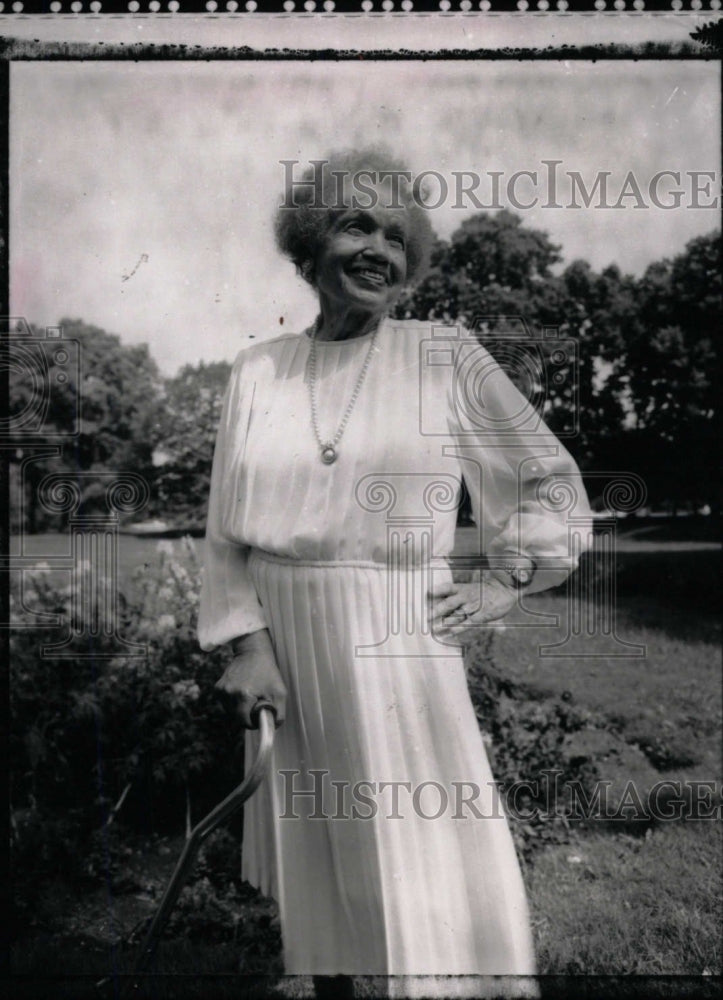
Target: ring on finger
457 616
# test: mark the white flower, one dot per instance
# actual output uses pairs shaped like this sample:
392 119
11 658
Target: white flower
189 548
179 572
165 623
165 593
40 568
165 547
187 689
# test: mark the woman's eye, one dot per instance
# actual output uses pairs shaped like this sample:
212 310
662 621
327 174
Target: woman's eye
398 240
354 227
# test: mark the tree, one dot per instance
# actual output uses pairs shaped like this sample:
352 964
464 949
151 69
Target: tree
186 431
597 311
107 412
120 391
672 362
710 35
490 267
641 390
493 272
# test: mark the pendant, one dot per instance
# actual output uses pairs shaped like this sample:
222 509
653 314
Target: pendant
328 454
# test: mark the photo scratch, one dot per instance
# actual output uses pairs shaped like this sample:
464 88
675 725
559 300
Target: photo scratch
143 259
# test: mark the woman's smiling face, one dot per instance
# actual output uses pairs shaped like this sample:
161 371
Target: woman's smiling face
363 263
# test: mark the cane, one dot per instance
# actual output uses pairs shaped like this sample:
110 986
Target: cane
266 713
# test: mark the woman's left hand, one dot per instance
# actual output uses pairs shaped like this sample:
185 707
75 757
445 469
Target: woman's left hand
458 609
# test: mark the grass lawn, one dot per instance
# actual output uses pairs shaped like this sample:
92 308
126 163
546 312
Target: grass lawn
669 698
627 899
620 899
616 903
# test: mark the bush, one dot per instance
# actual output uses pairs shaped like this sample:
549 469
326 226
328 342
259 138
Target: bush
217 906
85 731
527 736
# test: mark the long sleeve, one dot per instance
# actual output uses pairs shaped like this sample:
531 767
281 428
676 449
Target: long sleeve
229 604
527 494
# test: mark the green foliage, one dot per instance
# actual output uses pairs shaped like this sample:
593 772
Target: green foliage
118 391
487 269
644 382
186 429
81 730
114 400
672 362
495 272
217 906
204 909
710 35
666 751
526 736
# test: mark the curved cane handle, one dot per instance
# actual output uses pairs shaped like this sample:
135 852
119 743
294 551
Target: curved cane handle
259 708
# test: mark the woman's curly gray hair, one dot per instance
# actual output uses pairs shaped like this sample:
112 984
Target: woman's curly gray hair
301 225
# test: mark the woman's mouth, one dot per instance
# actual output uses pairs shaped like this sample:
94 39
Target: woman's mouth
370 275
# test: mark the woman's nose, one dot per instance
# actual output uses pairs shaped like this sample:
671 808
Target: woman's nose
377 245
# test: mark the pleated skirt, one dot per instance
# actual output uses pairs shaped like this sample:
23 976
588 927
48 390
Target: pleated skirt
379 830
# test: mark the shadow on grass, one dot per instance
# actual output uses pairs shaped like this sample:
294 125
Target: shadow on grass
688 578
675 592
670 529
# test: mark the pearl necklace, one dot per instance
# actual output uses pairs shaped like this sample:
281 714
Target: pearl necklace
328 448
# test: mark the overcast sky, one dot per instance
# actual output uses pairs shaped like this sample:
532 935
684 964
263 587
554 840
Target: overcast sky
167 175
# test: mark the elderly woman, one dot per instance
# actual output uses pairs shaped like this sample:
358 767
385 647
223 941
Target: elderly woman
336 480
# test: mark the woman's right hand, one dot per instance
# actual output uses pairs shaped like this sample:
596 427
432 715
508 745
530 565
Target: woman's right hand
253 676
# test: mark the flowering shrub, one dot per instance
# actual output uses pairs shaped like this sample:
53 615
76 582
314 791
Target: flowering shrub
85 730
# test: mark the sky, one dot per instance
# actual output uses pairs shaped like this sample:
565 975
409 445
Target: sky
142 194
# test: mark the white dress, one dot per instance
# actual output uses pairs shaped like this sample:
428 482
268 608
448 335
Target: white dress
385 866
